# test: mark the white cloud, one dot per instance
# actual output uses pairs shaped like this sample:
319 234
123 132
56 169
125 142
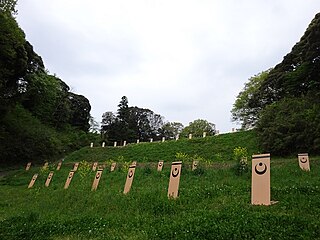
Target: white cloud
183 59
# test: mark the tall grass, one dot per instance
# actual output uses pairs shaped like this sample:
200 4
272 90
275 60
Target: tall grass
213 204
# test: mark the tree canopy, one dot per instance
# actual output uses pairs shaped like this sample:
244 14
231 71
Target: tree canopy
283 103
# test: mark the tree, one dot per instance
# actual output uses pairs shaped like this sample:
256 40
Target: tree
80 111
130 123
197 127
244 111
13 61
8 6
171 129
289 126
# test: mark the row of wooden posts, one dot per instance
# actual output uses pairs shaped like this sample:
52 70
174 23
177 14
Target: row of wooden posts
151 140
260 181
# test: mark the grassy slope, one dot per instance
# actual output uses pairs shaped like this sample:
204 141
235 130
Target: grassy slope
217 148
212 205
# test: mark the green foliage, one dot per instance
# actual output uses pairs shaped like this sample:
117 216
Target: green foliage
8 6
240 156
39 117
215 205
290 126
130 124
84 169
211 149
197 127
283 103
243 110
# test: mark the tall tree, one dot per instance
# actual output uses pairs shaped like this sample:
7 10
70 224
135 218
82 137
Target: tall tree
244 111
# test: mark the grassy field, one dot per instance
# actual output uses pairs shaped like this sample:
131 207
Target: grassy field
213 202
213 149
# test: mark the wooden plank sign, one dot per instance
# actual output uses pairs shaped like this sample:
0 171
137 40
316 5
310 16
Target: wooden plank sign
160 166
28 166
49 179
33 179
195 165
260 185
94 166
70 176
130 177
96 179
113 166
304 161
75 166
59 165
174 181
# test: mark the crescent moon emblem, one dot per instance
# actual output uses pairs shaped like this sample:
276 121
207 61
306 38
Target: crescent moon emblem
130 173
70 175
260 172
98 176
160 164
302 160
175 172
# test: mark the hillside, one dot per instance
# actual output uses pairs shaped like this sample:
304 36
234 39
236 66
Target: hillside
211 149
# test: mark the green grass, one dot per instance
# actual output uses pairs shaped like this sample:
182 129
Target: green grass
214 149
213 204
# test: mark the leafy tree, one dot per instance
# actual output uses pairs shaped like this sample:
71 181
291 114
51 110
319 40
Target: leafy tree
8 6
244 111
13 61
197 127
80 111
171 129
297 75
291 125
130 123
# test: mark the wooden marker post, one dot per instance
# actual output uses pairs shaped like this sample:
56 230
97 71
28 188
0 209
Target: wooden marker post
174 180
163 139
70 176
113 166
138 140
28 166
160 166
49 179
91 145
304 161
96 180
190 136
194 165
59 165
204 134
130 176
94 166
115 144
75 166
151 139
177 137
33 179
103 144
124 143
260 185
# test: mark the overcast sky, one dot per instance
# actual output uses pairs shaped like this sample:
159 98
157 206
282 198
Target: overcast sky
182 59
